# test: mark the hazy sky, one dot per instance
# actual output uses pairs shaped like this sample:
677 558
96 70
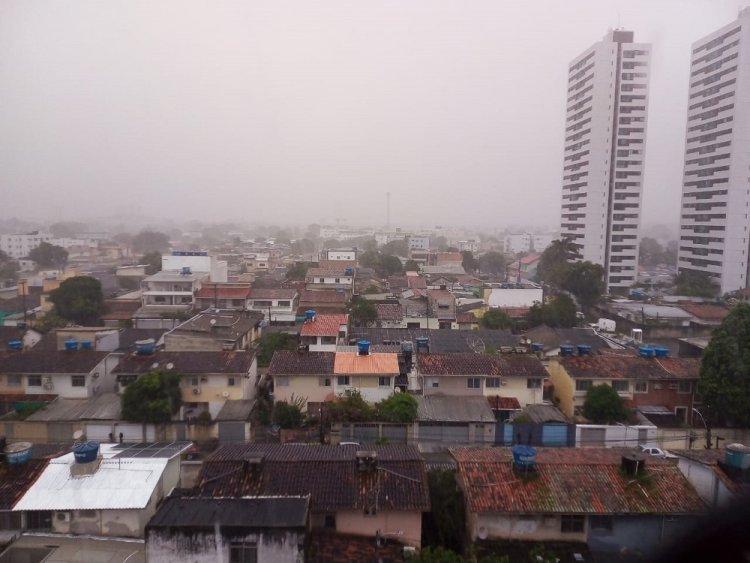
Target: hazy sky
309 111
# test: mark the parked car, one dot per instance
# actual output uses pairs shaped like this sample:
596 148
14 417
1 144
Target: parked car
655 452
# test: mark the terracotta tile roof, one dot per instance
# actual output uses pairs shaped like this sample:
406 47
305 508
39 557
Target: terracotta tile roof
261 293
389 312
188 362
612 366
324 325
503 403
352 362
416 282
519 365
328 473
291 362
222 292
50 361
330 547
573 481
466 318
322 296
705 311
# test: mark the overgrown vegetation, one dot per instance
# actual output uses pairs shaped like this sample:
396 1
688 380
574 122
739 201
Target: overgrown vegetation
584 280
272 341
49 255
154 397
559 312
363 312
603 405
445 526
697 284
79 299
495 319
399 407
289 414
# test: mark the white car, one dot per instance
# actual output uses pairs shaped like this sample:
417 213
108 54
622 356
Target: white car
655 452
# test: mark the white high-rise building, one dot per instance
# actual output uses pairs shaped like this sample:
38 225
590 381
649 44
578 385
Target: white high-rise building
716 183
605 140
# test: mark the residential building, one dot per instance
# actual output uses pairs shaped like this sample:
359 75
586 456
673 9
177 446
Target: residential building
612 500
279 306
419 243
222 296
714 222
322 332
303 375
347 254
371 374
513 296
441 305
267 528
380 492
215 329
517 243
195 261
172 291
390 315
605 137
115 494
442 420
19 245
322 301
339 279
663 381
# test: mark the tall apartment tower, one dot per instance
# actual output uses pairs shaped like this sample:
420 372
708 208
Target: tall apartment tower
605 141
716 181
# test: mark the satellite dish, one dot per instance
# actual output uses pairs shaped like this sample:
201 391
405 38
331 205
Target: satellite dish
212 322
170 365
476 344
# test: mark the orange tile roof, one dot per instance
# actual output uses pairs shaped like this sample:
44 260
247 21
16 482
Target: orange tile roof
351 362
705 311
324 325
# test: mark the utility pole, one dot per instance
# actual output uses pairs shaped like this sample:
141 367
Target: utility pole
22 284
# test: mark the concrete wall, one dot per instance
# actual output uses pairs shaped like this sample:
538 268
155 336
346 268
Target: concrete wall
706 482
636 535
405 527
528 527
273 547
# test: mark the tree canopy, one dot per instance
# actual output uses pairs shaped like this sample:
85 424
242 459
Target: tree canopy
396 247
384 264
496 319
79 299
469 263
364 312
8 267
272 341
555 258
411 266
150 241
49 255
152 260
585 280
724 383
603 405
697 284
559 312
652 253
492 262
399 407
154 397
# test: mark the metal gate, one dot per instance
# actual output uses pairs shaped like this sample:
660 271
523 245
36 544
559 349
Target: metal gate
130 432
593 436
231 432
394 433
365 433
98 432
555 434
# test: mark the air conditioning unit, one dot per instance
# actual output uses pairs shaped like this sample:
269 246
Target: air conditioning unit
196 390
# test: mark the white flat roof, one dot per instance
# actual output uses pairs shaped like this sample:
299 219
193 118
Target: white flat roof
123 483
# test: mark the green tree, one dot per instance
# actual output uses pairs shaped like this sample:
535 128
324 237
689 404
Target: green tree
153 398
272 341
298 271
585 280
441 243
492 263
396 247
349 408
559 312
399 407
8 267
49 255
79 299
150 241
388 266
152 260
724 383
554 260
445 525
369 259
650 252
698 284
438 554
603 405
496 319
287 415
364 312
469 263
411 266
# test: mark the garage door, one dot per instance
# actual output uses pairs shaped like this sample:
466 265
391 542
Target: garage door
555 434
60 432
394 433
456 433
593 436
98 432
430 433
365 433
231 432
130 432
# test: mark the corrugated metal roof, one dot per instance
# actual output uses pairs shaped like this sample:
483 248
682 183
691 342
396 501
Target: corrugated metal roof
116 484
103 407
437 408
351 362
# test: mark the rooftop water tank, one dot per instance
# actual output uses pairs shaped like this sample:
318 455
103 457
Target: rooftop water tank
661 351
144 347
407 346
537 346
566 349
310 315
646 351
19 452
85 452
15 344
737 455
185 271
71 344
363 347
85 344
349 271
422 342
583 349
524 456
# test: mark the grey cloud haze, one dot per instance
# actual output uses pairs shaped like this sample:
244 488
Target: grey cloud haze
310 111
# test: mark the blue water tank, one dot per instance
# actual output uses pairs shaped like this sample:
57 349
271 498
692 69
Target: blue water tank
310 315
583 349
364 347
85 344
524 456
537 346
566 349
85 452
185 271
422 342
349 271
15 344
646 351
144 347
661 351
71 344
737 455
19 452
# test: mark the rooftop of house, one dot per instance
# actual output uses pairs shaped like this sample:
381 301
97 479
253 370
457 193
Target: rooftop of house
337 265
105 406
273 293
540 414
129 336
327 273
705 311
329 474
441 295
552 337
50 361
331 547
441 341
503 403
373 363
249 512
440 408
16 479
324 324
389 312
291 362
612 366
220 324
573 481
416 282
237 361
322 296
506 365
530 258
466 318
448 268
218 291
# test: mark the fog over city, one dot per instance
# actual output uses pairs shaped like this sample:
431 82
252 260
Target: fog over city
299 111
